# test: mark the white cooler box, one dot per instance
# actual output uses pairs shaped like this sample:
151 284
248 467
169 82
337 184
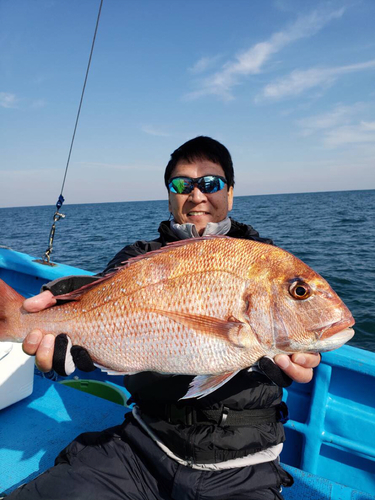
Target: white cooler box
16 374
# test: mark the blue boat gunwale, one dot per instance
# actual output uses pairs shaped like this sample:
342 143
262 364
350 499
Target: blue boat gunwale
312 406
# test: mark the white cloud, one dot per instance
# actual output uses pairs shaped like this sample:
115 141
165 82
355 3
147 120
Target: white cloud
341 126
8 100
151 130
368 126
299 81
363 132
252 60
339 115
204 64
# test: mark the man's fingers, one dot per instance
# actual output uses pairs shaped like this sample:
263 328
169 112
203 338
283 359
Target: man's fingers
36 343
42 346
31 343
44 354
295 371
39 302
307 360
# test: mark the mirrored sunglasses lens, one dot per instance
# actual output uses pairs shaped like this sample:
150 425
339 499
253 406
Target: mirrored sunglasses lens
210 184
180 185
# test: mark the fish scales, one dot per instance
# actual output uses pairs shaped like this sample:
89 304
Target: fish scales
206 307
173 287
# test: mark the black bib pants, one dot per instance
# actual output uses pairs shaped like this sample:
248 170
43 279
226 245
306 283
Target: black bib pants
123 463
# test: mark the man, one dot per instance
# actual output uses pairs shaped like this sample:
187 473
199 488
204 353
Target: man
222 446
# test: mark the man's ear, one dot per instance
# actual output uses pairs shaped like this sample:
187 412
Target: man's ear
230 198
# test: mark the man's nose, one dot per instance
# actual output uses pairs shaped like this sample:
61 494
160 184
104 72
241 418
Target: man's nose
196 196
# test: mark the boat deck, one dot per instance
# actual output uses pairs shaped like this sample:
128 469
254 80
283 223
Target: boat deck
34 430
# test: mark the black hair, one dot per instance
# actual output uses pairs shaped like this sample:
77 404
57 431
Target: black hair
202 148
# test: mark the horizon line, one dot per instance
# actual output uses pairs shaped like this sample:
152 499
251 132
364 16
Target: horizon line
235 196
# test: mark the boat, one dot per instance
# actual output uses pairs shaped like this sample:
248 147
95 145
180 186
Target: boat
330 436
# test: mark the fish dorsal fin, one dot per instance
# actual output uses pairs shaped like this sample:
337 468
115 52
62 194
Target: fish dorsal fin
77 294
169 246
231 330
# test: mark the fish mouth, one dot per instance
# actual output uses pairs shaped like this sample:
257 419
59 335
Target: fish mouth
334 341
327 331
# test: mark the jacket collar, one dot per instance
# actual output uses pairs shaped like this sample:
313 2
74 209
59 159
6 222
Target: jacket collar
237 230
185 231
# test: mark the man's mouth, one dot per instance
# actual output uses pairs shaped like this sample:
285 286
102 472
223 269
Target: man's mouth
197 213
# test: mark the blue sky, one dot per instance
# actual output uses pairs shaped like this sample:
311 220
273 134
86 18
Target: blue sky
287 86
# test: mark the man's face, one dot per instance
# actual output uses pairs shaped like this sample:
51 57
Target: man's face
196 207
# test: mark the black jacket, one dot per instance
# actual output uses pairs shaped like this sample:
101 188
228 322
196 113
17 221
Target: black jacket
202 442
193 429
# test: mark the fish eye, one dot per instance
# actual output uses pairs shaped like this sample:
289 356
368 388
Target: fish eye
300 290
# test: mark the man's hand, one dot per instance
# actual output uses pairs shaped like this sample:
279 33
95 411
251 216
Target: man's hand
35 343
53 353
283 369
299 366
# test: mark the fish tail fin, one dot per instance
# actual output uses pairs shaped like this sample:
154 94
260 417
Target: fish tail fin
10 303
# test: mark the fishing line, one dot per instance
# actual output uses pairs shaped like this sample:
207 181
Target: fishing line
57 216
83 93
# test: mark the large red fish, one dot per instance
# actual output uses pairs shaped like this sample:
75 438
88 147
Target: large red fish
207 307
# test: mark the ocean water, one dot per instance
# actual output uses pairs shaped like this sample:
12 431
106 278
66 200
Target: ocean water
333 232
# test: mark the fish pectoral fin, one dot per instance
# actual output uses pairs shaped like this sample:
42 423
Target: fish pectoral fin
109 371
202 385
231 330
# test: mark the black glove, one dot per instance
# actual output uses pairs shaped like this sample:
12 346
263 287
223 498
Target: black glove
66 358
273 372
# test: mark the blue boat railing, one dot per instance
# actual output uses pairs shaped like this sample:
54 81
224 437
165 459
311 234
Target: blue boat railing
331 432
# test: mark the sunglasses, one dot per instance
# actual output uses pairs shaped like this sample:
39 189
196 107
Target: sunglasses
207 184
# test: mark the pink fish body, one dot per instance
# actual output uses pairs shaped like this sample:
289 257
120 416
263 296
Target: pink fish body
207 307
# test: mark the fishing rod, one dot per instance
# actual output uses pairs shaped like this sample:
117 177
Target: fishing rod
58 215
